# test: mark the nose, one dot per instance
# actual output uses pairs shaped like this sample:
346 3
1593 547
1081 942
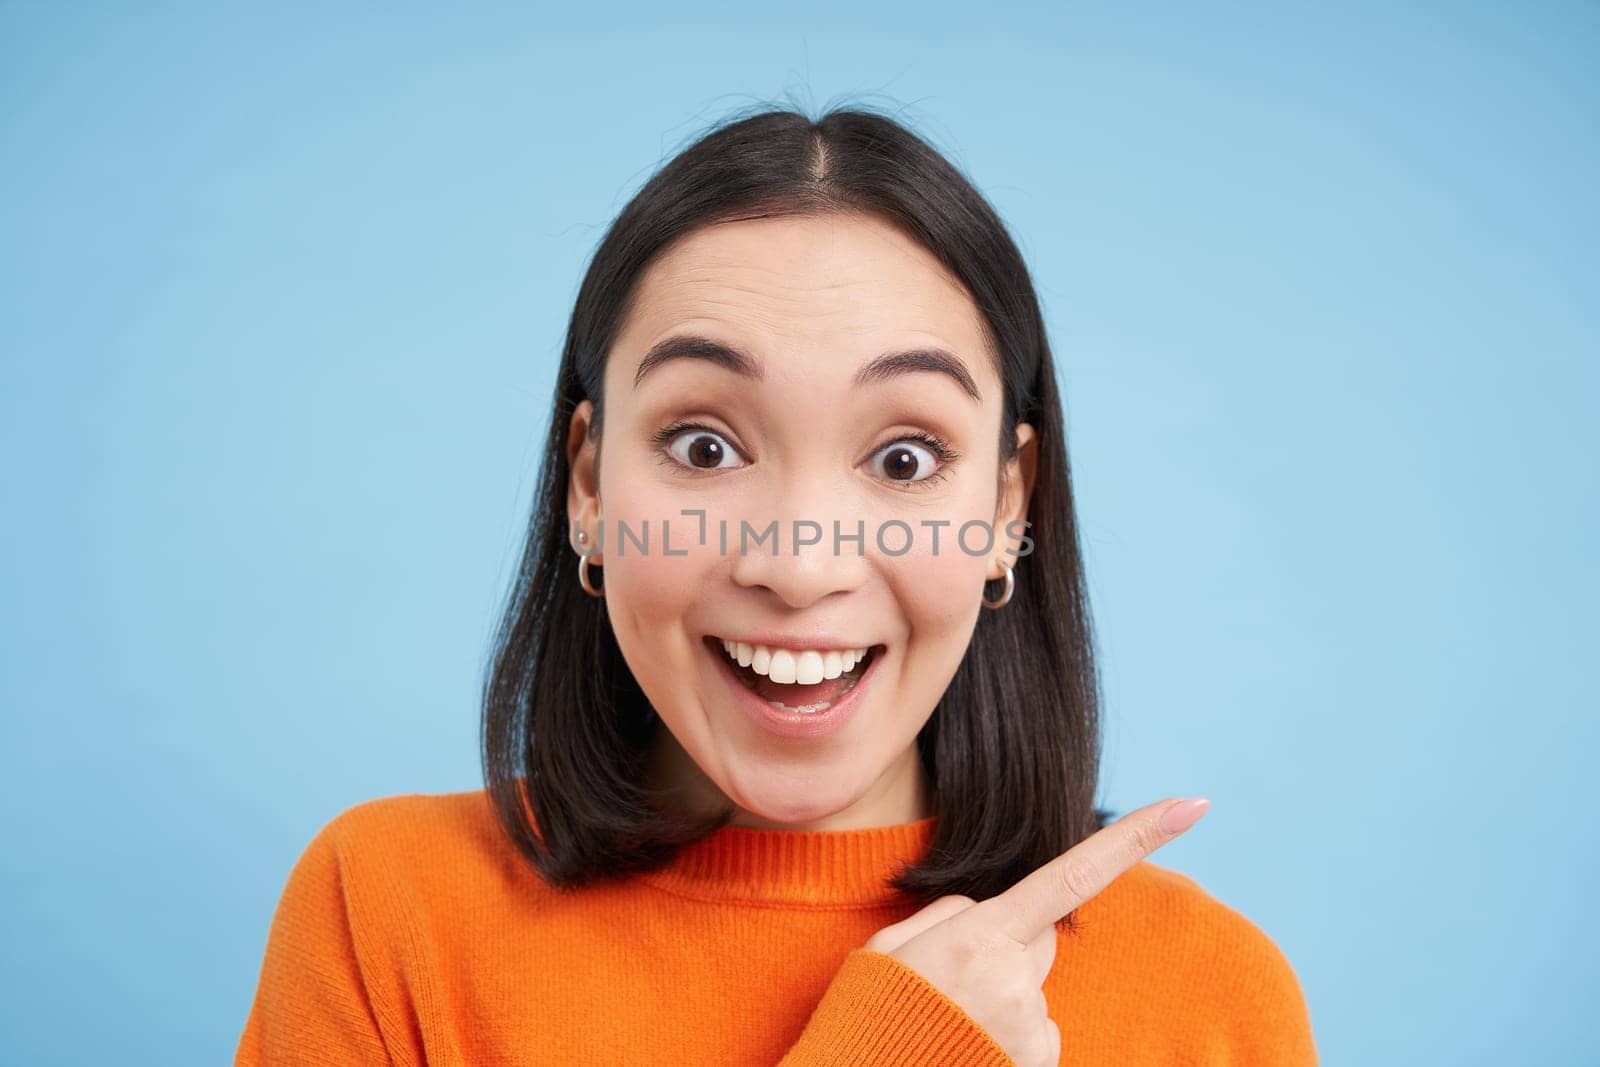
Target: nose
803 562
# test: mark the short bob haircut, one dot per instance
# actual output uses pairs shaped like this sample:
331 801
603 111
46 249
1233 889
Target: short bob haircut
1011 749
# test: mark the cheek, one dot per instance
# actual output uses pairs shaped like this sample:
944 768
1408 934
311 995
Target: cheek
654 565
937 593
945 567
648 593
939 600
648 598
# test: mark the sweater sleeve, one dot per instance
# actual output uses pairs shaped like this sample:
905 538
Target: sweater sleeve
311 1005
878 1012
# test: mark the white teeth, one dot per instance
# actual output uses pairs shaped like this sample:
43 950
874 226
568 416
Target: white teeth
781 668
794 667
808 668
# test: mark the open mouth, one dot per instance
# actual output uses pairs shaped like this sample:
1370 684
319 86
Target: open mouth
806 681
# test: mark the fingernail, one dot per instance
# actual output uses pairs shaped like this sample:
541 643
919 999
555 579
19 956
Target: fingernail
1181 816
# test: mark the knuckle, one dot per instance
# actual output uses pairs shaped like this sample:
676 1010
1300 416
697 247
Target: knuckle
980 946
968 948
1038 1051
1145 839
881 941
1009 989
1023 998
1079 881
949 907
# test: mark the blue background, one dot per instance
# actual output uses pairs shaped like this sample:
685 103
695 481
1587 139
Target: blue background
283 294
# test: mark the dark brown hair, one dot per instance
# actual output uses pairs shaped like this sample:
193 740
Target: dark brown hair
1012 749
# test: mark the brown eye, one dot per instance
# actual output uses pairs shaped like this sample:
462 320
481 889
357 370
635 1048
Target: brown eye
905 462
701 449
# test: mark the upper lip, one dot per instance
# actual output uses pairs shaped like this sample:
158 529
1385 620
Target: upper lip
797 642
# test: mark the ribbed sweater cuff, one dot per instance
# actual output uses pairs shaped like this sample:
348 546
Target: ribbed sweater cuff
879 1012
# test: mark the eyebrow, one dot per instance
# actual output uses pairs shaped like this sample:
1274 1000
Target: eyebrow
882 368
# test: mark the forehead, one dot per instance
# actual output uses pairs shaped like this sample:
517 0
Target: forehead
833 290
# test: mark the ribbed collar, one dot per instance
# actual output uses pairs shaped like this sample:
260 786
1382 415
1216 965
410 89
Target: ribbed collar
829 868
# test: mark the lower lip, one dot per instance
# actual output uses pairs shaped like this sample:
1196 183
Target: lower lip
796 725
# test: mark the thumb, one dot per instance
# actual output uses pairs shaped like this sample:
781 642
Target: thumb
892 937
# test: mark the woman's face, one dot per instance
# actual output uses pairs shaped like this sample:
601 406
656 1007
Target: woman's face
794 439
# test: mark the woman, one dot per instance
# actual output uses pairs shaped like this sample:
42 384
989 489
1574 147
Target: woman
790 736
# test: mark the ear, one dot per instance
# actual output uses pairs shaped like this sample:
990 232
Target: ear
583 481
1016 490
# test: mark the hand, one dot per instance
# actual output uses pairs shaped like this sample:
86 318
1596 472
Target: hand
991 958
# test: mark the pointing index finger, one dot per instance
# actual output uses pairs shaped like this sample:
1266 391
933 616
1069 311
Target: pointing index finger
1045 896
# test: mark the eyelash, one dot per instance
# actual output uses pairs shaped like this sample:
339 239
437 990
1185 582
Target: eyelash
940 448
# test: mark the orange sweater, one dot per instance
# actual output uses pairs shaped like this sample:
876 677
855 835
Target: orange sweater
412 932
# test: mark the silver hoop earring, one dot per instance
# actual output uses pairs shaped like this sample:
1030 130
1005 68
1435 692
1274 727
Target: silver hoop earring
583 577
1005 598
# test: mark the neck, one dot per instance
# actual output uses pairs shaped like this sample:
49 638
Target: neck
902 794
